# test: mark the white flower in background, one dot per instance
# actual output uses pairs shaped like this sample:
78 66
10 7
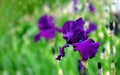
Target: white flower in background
116 6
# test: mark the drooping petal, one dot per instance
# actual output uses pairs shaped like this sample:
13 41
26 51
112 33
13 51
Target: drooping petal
79 35
87 48
94 49
48 34
92 27
62 53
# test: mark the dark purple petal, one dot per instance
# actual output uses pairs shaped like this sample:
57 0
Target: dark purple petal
73 31
67 31
79 24
58 29
80 21
37 37
45 22
71 26
92 27
48 34
62 53
47 28
79 35
91 8
67 27
87 48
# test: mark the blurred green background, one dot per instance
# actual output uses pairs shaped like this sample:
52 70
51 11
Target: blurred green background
20 55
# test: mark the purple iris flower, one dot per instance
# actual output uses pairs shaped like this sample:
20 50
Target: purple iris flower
47 28
75 34
91 8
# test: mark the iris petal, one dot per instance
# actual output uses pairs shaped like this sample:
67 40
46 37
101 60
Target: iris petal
92 27
48 34
73 31
87 48
62 53
37 37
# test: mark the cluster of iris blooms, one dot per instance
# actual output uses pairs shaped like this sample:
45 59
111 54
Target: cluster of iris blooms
74 34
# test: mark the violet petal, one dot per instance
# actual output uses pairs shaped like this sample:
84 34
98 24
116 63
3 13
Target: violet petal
62 53
92 27
37 37
91 8
87 48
